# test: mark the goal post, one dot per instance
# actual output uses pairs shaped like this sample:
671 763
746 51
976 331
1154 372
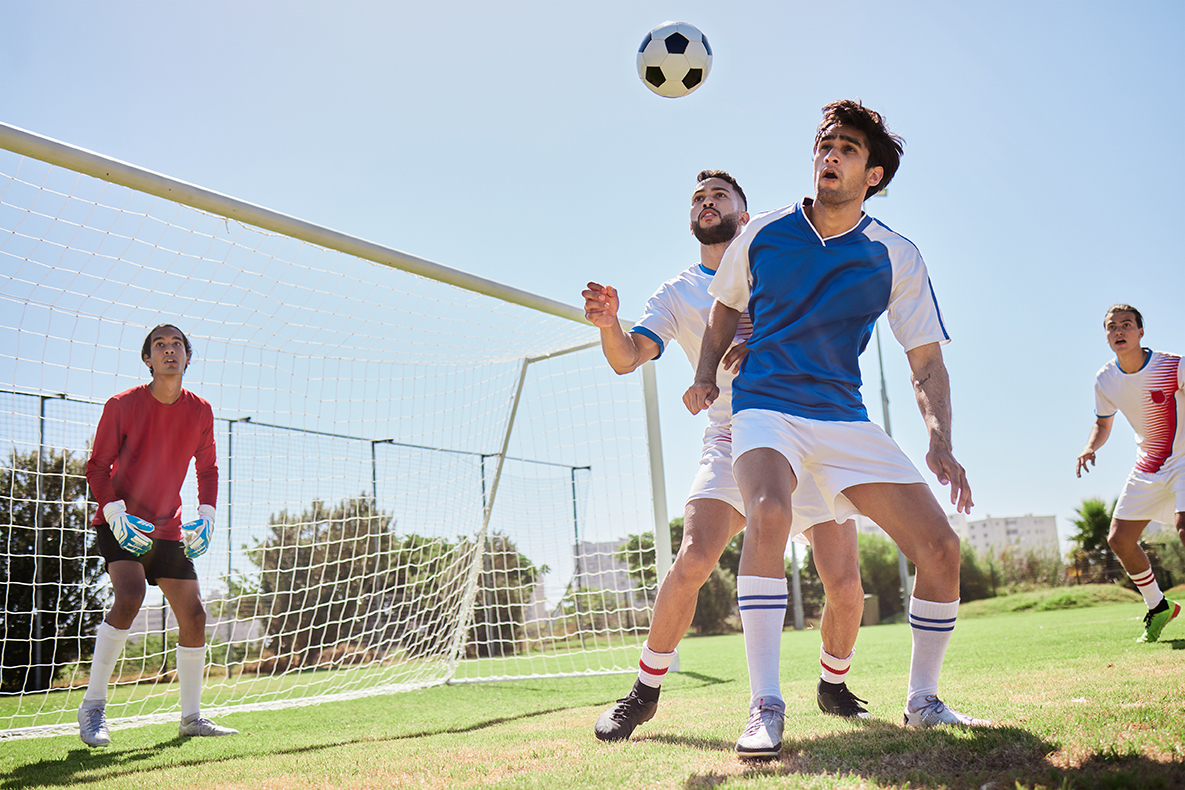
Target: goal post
409 454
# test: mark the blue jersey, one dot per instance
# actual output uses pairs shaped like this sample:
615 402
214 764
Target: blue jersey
814 303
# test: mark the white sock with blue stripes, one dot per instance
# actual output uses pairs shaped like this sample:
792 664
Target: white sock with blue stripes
931 624
762 602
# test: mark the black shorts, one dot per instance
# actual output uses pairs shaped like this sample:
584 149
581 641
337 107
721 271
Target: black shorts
165 560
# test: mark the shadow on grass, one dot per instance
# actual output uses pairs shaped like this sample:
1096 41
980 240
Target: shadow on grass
83 765
884 753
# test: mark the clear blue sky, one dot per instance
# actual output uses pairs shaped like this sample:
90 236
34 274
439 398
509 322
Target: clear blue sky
514 140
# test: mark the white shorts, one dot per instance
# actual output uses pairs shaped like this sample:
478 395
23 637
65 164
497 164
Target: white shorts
1154 496
832 455
714 480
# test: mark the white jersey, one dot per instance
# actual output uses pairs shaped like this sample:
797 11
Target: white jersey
679 311
1153 401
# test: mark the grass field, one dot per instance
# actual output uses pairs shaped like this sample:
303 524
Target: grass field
1078 703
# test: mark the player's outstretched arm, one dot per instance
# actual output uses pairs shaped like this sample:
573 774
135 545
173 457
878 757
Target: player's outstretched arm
721 329
931 385
1099 433
624 350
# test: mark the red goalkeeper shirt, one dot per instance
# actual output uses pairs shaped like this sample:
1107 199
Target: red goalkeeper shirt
141 455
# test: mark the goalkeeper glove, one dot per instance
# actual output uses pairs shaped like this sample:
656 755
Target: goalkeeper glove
197 534
131 531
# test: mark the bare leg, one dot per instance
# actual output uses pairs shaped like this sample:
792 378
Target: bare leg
127 582
185 599
837 559
1124 540
708 525
766 481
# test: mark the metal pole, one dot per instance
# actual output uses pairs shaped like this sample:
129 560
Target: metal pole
902 563
37 525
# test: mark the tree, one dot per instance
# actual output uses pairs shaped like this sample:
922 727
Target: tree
1093 524
504 590
45 536
879 574
717 597
322 573
1093 558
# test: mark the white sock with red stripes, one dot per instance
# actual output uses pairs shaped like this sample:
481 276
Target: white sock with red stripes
835 670
1145 582
653 666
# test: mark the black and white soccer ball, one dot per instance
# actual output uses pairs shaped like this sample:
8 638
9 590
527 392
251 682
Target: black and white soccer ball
674 59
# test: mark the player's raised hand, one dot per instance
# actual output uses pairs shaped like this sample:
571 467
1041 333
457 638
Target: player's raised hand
197 534
1085 461
732 360
601 305
700 396
130 531
950 472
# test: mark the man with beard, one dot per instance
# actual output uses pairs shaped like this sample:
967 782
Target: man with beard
815 278
714 510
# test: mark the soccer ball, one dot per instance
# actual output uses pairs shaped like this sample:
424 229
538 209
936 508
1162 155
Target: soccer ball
674 59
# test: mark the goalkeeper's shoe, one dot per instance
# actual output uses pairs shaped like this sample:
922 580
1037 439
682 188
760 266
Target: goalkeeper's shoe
934 712
620 721
198 726
762 738
92 724
836 699
1157 618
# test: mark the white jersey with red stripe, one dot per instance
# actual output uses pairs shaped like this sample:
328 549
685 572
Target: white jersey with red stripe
1153 401
678 311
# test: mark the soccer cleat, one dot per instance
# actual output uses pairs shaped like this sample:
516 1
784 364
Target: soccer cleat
198 726
762 738
92 725
1158 618
935 712
619 722
836 699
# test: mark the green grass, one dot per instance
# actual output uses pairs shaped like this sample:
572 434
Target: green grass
1079 704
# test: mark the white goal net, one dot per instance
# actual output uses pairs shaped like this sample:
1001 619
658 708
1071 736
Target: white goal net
425 477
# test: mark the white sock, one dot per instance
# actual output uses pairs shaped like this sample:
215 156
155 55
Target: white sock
191 665
835 670
109 642
762 602
931 624
652 668
1146 583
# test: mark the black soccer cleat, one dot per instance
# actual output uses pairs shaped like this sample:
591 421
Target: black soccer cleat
836 699
619 722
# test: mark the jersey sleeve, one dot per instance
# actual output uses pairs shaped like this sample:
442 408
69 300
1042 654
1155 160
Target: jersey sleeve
914 316
658 319
206 459
733 282
1103 405
103 454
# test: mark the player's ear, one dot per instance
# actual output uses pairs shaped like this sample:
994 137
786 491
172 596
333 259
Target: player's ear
744 218
873 175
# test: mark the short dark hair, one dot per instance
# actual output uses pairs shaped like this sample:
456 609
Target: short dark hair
723 175
146 350
1124 308
884 147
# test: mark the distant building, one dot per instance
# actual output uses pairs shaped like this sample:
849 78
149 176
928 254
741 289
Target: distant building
990 535
597 568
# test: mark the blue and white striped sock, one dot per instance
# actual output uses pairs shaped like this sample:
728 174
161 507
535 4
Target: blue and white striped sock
931 624
762 602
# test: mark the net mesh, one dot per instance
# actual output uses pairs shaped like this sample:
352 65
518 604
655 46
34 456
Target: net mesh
405 466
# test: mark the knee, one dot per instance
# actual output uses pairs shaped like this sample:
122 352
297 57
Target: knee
128 600
1117 540
943 550
694 563
766 513
845 590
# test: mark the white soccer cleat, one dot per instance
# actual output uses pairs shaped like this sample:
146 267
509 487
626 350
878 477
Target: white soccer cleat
935 712
198 726
762 738
92 724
